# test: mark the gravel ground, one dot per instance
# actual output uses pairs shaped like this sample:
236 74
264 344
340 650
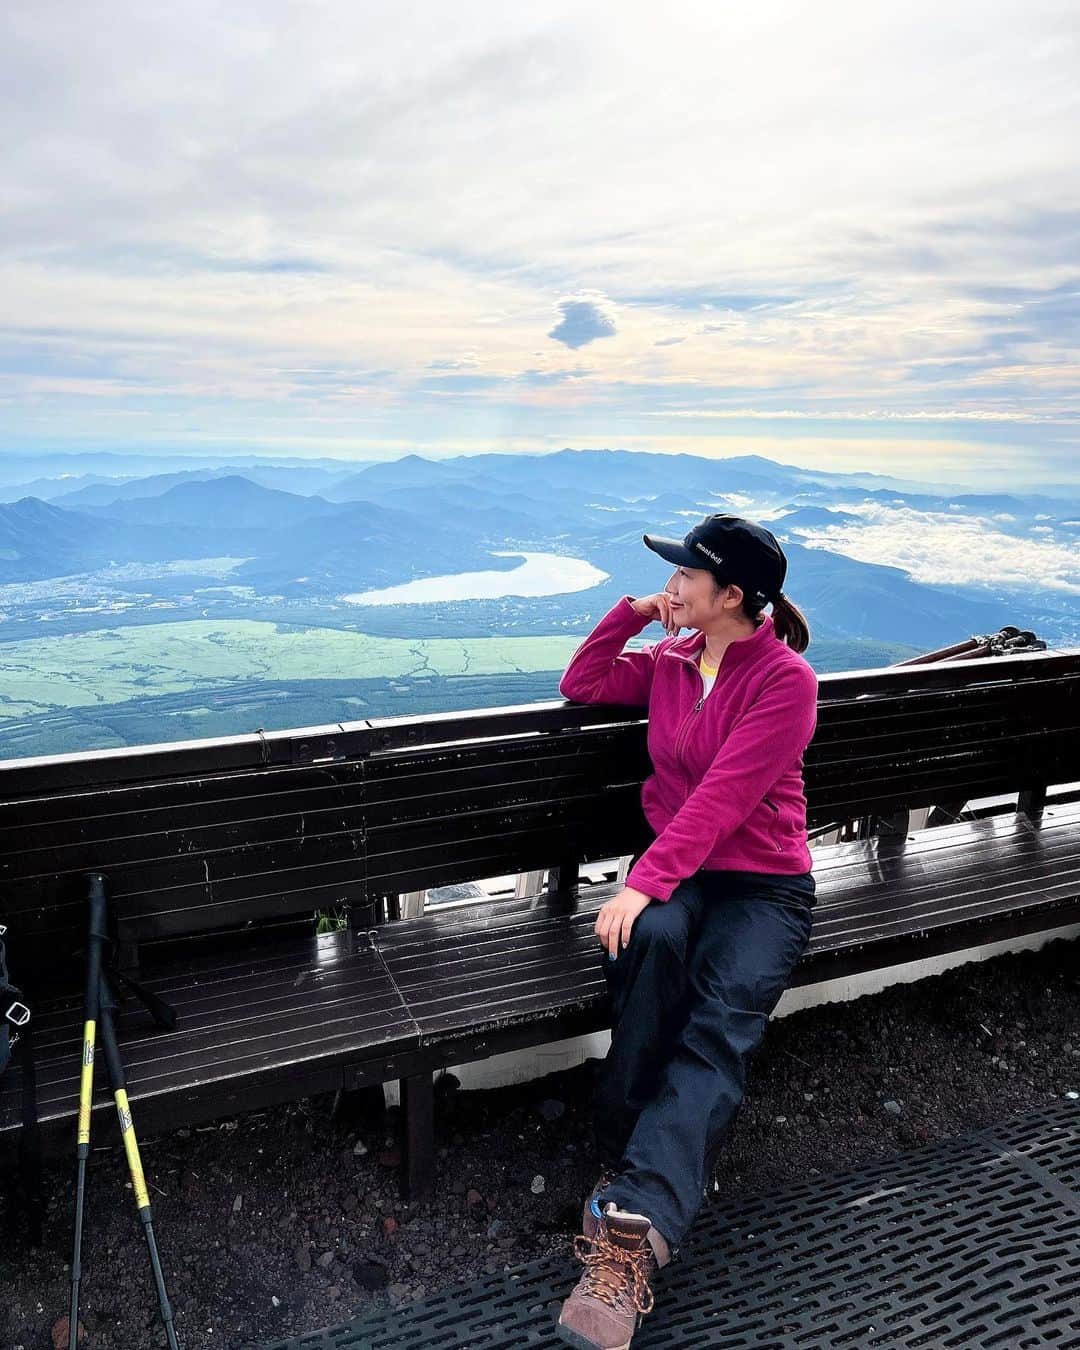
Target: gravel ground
284 1221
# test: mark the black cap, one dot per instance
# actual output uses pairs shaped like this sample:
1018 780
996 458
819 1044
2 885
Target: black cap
734 550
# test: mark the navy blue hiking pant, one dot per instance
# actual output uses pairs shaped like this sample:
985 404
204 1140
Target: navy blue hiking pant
691 995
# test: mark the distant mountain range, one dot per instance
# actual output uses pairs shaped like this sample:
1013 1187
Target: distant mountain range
53 475
227 502
293 544
388 523
39 540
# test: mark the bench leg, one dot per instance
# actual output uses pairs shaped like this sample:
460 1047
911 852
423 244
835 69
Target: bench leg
418 1162
562 888
894 826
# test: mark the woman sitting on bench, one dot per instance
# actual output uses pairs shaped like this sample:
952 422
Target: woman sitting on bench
700 944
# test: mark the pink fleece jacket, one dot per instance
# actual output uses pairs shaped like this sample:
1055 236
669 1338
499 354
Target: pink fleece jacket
727 788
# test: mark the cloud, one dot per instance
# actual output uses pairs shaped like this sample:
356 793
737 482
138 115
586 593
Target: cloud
941 548
706 299
851 414
350 192
443 384
543 378
469 361
585 318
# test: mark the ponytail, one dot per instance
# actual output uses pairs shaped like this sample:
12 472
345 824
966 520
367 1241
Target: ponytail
789 624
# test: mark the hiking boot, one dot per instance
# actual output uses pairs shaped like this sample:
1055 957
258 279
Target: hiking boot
604 1310
590 1214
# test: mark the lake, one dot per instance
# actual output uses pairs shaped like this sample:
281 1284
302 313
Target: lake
539 574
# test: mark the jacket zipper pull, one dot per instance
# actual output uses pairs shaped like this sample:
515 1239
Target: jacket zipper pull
699 703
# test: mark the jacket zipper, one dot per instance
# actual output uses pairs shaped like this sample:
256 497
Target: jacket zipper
776 821
684 730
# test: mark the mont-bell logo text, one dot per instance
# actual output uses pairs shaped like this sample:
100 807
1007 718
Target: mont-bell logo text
708 552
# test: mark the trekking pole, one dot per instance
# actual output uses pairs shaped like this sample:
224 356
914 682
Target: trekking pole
970 647
940 654
95 938
982 649
131 1149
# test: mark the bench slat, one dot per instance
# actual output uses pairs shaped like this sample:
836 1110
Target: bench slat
327 998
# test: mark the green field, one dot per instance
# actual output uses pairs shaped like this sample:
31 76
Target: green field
114 666
181 680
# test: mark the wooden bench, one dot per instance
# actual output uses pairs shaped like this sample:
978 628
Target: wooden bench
217 853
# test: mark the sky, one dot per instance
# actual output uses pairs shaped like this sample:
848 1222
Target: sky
844 235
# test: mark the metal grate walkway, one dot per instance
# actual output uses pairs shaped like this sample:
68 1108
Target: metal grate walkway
972 1241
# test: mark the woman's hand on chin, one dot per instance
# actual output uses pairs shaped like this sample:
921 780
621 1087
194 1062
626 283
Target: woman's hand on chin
658 606
615 920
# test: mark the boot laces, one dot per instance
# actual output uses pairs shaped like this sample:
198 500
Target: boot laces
611 1271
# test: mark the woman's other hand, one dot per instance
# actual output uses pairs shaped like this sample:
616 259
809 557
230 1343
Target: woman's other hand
615 921
658 607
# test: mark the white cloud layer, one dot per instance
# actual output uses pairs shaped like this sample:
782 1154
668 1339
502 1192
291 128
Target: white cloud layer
817 213
944 549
